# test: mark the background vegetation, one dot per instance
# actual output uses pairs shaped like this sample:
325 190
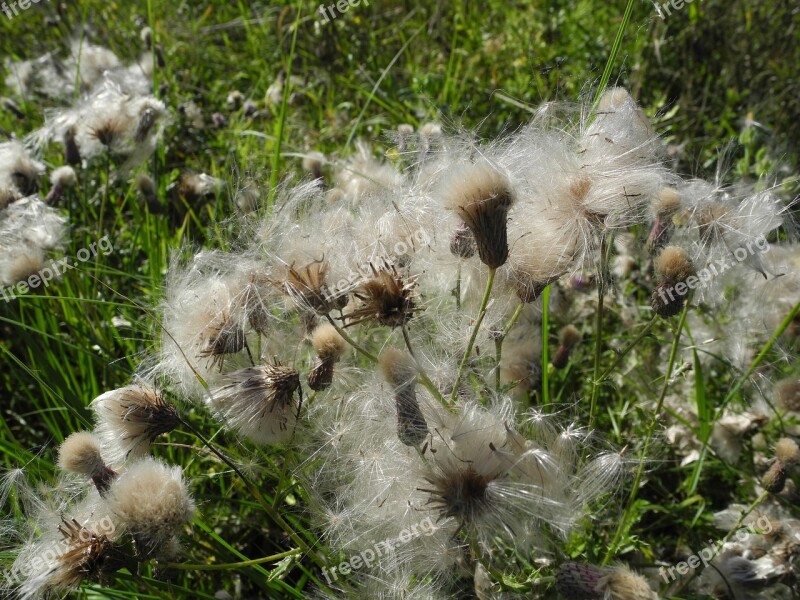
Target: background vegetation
715 71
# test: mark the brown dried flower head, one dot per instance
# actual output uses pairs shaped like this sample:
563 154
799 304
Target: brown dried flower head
330 346
306 286
481 195
386 298
131 417
88 557
225 338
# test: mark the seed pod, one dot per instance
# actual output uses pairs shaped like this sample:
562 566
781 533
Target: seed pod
668 203
775 478
330 347
577 581
481 195
401 373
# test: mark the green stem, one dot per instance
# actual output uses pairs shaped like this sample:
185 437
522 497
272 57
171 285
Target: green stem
737 387
648 438
481 314
626 17
351 341
281 121
268 508
236 565
622 353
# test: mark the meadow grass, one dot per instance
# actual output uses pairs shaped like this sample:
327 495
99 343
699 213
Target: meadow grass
479 66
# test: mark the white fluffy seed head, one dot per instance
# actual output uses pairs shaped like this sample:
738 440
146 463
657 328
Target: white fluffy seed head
259 402
64 177
621 583
674 264
398 368
130 418
667 203
152 501
327 342
28 262
787 452
81 453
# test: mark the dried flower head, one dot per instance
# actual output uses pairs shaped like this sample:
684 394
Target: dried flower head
259 402
775 478
620 583
673 264
307 288
787 393
313 163
108 131
330 347
400 371
72 155
130 418
152 502
81 453
481 195
673 267
386 298
88 557
226 337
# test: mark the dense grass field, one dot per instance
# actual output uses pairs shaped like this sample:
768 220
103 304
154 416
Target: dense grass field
691 406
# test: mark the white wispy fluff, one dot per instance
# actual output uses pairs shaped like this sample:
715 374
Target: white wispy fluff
151 500
87 63
19 173
108 120
130 418
259 402
479 473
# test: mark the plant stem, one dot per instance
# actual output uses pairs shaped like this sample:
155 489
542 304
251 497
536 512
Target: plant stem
236 565
648 437
481 314
622 353
268 508
737 387
351 341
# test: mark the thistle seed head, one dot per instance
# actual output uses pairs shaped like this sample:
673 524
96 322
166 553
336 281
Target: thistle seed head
401 372
481 195
386 298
